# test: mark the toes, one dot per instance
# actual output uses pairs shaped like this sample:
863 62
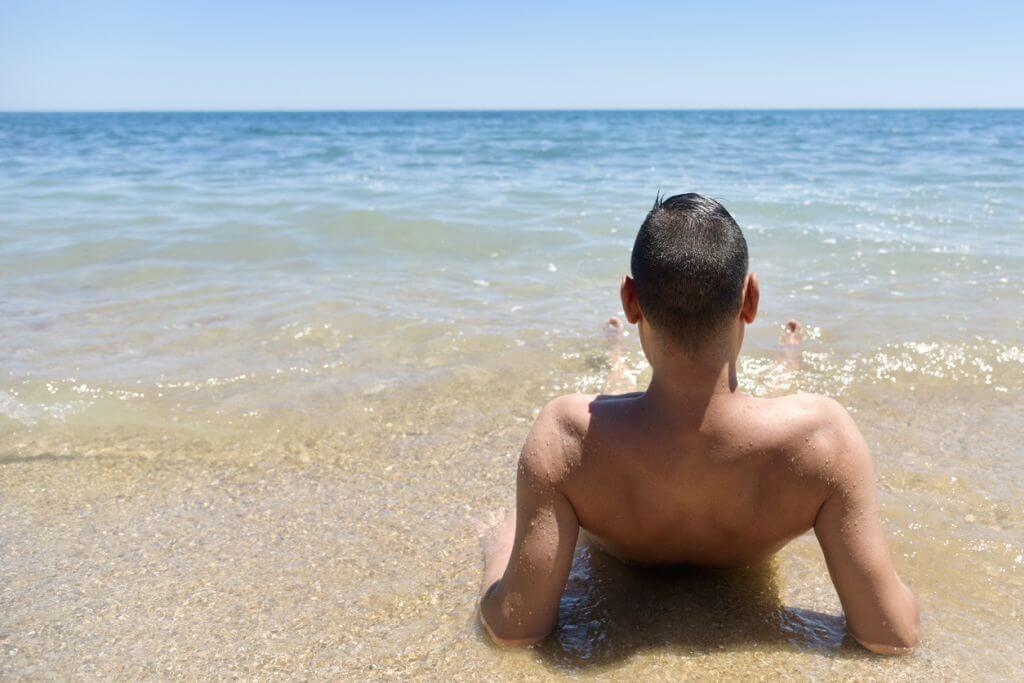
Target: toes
613 328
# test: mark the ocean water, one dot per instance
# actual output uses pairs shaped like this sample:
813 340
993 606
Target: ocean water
264 376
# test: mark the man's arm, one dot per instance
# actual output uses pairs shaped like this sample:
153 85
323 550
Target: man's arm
528 563
881 612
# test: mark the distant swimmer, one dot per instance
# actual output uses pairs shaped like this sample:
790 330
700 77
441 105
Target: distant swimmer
692 471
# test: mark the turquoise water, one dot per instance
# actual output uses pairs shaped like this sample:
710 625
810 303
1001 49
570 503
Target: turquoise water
890 223
358 305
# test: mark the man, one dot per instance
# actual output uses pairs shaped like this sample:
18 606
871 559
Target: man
691 470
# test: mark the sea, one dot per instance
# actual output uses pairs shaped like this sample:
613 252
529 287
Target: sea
264 378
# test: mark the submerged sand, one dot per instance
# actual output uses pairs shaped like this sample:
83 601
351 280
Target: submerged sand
295 546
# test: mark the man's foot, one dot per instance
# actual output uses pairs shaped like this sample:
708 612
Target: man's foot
619 379
613 329
791 341
793 333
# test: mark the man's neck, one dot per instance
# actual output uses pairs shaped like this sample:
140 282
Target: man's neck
684 382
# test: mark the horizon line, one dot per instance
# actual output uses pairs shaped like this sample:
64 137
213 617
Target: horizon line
497 110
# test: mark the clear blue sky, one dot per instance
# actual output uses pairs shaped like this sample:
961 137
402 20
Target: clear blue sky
379 54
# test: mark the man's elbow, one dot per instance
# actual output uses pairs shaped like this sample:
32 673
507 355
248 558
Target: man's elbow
504 638
508 640
903 637
899 646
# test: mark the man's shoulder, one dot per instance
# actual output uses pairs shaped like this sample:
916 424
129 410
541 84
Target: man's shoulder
572 413
569 405
568 415
817 433
555 441
807 411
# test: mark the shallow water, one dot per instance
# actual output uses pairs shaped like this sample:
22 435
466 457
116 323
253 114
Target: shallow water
264 376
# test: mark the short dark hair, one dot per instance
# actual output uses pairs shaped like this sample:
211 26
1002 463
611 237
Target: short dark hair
689 263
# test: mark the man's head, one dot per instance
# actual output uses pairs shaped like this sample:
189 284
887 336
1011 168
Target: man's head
690 280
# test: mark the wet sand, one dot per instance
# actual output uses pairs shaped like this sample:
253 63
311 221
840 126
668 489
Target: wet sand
353 550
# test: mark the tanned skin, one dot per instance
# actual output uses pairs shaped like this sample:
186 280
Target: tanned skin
692 471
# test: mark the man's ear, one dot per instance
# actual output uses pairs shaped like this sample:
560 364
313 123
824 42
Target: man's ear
630 303
751 298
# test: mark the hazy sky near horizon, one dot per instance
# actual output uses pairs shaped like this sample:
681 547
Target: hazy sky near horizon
305 54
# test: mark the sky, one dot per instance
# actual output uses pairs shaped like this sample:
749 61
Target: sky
523 54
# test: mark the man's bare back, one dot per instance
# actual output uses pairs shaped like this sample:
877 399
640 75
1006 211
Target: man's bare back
724 484
693 471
